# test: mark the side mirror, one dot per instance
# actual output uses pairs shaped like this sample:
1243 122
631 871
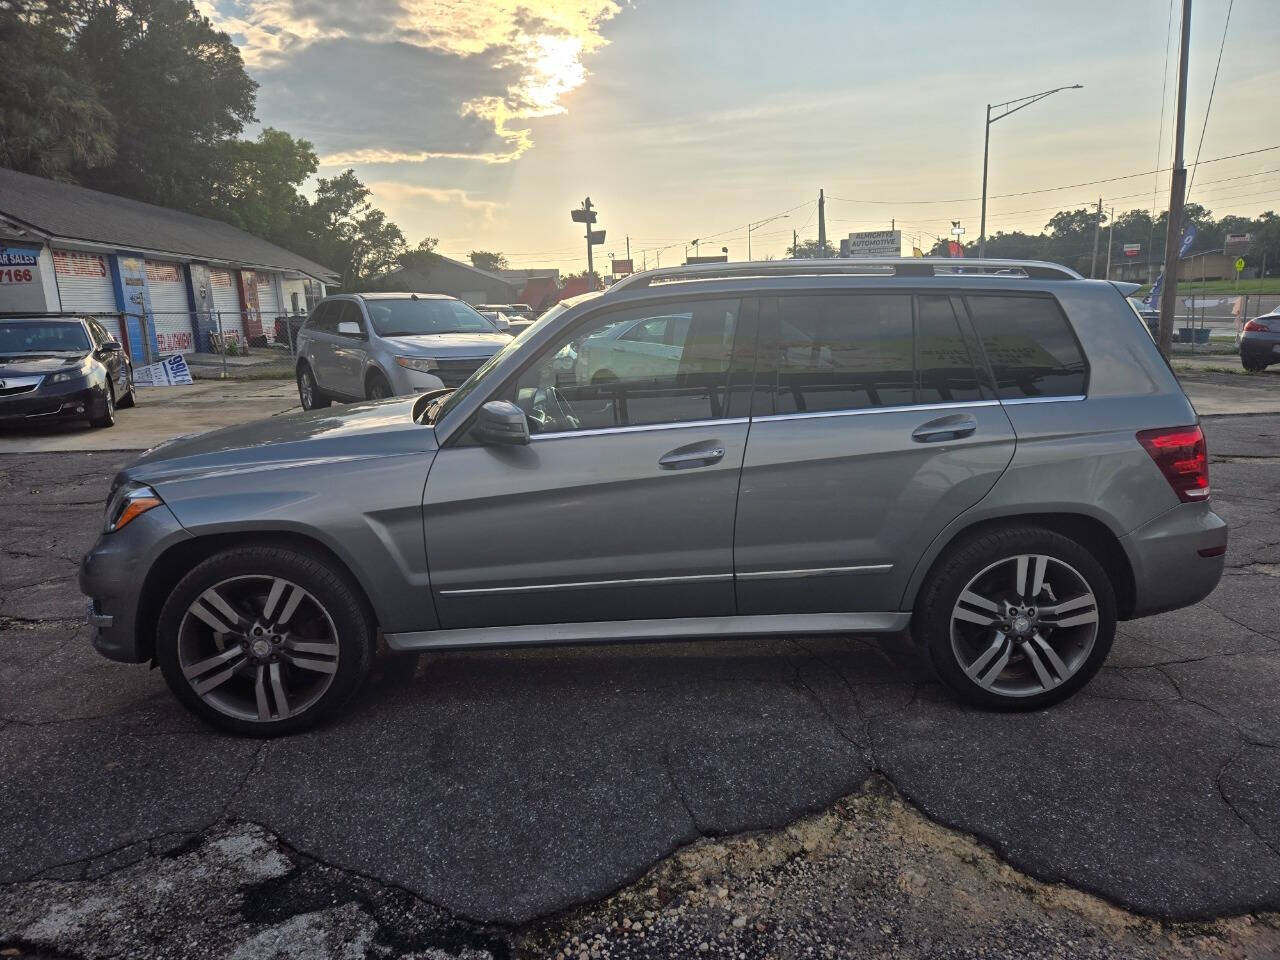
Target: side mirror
502 323
349 328
110 346
500 421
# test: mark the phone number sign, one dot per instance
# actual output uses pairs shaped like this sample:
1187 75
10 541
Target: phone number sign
19 265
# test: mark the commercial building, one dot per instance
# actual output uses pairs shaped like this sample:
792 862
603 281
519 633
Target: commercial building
452 277
163 281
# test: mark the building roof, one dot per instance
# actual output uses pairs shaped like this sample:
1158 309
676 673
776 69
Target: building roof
64 211
439 258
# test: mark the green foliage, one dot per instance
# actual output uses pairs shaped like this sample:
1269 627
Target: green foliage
54 123
485 260
812 250
346 232
256 185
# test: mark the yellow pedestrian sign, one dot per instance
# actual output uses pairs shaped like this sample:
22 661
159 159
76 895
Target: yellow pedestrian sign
1239 264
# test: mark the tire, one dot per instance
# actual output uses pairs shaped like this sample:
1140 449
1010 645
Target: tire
130 398
108 418
1253 366
313 651
309 392
963 637
376 387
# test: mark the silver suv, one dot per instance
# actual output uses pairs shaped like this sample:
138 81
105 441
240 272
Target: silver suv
1000 463
377 345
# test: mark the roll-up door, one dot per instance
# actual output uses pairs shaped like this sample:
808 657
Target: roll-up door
227 302
84 286
170 306
268 303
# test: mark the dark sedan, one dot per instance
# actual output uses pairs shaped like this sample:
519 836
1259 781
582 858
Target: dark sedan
61 368
1260 342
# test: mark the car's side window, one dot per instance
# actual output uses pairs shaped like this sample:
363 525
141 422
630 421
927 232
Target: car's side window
836 352
1030 346
351 314
597 377
321 318
945 370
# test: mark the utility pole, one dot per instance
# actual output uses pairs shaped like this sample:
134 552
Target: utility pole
795 245
586 215
1111 231
822 224
1097 227
628 248
1177 195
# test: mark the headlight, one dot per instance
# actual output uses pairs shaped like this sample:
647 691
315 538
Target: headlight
129 501
421 364
81 369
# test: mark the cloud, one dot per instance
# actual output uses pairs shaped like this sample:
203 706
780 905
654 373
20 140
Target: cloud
463 74
400 193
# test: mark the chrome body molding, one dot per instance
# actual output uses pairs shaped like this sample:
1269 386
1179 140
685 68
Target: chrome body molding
1018 401
865 411
814 572
639 428
587 584
610 631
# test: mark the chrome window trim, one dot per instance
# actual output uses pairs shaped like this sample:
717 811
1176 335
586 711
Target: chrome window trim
862 411
814 572
637 428
586 584
1018 401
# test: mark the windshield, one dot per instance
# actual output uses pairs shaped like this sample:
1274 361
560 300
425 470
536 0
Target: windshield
42 336
435 414
411 318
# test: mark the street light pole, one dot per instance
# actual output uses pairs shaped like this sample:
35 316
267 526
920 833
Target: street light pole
761 223
1009 106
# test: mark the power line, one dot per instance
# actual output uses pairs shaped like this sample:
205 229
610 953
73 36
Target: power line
1066 186
1212 87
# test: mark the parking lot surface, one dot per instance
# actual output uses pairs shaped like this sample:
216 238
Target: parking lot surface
468 797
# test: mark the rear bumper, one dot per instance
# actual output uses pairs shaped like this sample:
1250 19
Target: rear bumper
1260 348
1177 558
111 576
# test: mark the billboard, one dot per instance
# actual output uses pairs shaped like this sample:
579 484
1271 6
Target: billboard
1132 249
620 267
874 243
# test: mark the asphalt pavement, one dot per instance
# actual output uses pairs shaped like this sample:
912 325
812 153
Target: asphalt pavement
474 795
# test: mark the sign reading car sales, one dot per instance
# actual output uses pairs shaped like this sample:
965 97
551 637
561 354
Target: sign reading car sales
19 265
875 243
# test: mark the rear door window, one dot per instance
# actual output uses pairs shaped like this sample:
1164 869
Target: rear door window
945 367
1030 347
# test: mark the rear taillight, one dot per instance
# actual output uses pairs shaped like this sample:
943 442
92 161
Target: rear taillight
1182 457
1255 326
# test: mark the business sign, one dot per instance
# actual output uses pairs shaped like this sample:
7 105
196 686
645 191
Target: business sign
19 265
621 267
875 243
1132 249
169 372
1238 240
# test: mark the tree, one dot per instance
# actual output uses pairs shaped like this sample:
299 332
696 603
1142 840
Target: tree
177 89
422 257
348 234
811 250
52 119
256 186
484 260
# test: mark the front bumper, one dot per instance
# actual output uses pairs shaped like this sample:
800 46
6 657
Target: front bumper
1177 558
112 575
76 401
406 382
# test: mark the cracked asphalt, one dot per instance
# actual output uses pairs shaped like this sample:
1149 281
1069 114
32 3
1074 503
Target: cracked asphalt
494 803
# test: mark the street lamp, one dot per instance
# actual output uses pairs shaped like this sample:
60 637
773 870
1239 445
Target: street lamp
761 223
1009 106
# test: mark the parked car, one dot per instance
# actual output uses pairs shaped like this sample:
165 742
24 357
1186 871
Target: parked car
1150 317
378 345
498 319
1005 465
1260 342
521 310
61 368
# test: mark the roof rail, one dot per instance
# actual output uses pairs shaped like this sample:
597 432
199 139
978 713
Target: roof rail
877 266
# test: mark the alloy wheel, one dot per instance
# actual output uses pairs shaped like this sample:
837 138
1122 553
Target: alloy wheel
258 648
1024 625
307 389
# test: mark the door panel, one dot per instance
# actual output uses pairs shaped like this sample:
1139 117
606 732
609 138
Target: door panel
523 524
874 427
349 352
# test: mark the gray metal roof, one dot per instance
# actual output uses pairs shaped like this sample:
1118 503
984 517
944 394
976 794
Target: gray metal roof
64 211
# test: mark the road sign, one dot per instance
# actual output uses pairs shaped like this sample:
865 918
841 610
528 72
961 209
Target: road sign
1239 264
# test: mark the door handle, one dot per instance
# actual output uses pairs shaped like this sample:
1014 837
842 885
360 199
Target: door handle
694 455
945 428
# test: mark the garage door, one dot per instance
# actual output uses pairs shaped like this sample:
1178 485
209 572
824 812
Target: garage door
268 303
84 286
170 307
227 302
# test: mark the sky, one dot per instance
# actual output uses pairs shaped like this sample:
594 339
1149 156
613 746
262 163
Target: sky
483 123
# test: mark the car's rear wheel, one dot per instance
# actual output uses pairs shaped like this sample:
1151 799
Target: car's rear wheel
309 392
377 387
107 418
1253 366
1016 618
264 640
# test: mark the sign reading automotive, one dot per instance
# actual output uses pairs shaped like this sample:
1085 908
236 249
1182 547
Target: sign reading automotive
19 265
875 243
1132 249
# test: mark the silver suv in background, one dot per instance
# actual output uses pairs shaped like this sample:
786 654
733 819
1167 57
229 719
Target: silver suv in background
998 461
376 345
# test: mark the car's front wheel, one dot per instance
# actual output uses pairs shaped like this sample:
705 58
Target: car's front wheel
1016 618
107 416
377 387
264 640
